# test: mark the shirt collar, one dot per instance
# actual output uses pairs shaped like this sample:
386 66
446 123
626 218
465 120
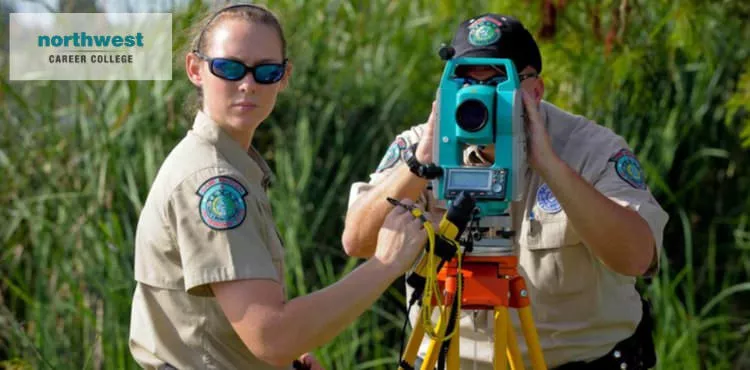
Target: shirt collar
248 162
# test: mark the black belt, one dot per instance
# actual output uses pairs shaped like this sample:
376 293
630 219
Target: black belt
634 353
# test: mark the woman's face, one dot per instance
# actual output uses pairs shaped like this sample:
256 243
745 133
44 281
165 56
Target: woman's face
239 106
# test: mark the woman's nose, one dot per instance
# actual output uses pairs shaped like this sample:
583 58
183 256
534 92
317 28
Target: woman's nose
248 84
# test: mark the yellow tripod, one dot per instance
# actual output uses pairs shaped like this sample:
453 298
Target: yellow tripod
469 282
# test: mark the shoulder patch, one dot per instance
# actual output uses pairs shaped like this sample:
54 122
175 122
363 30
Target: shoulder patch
393 154
222 205
628 168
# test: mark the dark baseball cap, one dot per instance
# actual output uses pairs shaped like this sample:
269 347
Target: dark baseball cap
497 36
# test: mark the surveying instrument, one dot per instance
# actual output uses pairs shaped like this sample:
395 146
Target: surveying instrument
479 271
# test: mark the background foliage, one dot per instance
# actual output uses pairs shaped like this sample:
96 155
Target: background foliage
77 159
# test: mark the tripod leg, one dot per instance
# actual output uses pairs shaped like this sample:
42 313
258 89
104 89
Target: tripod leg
520 299
501 337
514 353
532 340
415 339
433 348
454 360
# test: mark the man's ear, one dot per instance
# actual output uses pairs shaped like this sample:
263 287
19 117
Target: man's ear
538 89
193 69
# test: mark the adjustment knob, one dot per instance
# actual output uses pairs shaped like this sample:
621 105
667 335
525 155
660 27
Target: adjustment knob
446 52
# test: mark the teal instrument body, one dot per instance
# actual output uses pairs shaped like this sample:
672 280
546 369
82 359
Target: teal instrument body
482 114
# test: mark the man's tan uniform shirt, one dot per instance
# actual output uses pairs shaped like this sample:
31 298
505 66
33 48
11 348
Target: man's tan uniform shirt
207 219
581 308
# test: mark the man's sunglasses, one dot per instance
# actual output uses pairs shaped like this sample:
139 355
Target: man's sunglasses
494 81
234 70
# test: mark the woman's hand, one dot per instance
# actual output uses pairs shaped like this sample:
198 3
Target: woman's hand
401 239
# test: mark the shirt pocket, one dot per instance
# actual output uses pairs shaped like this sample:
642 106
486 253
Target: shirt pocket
558 265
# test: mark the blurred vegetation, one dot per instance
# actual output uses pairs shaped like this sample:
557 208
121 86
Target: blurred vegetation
77 160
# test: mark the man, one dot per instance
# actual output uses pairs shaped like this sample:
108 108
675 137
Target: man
586 227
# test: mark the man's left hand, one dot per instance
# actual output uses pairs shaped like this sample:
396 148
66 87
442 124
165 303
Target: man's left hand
539 146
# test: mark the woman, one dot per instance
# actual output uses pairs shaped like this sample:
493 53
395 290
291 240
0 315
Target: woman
208 259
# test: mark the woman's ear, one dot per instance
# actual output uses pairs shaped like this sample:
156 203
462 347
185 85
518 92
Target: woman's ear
193 69
287 75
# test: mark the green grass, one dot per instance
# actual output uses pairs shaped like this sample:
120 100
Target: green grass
77 160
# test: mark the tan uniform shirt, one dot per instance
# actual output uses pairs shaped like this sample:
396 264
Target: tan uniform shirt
581 308
206 219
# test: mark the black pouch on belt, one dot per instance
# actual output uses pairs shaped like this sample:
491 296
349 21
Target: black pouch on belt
636 352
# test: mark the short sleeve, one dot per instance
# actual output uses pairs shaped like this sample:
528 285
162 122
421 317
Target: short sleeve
221 232
388 163
623 181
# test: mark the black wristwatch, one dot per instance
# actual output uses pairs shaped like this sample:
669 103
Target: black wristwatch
428 172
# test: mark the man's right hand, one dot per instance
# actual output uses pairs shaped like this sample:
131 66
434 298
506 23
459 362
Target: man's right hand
424 148
400 239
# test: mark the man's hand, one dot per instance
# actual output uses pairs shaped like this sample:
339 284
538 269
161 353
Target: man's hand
617 235
539 151
424 148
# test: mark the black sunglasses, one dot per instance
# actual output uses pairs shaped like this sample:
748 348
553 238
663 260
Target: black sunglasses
235 70
494 81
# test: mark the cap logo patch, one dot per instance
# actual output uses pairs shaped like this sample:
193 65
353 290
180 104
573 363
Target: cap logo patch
222 204
629 169
484 31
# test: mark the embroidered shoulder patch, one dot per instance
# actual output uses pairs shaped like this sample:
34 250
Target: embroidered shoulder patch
222 205
392 154
546 200
629 169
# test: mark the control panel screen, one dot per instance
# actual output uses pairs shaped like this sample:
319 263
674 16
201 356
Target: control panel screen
470 180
